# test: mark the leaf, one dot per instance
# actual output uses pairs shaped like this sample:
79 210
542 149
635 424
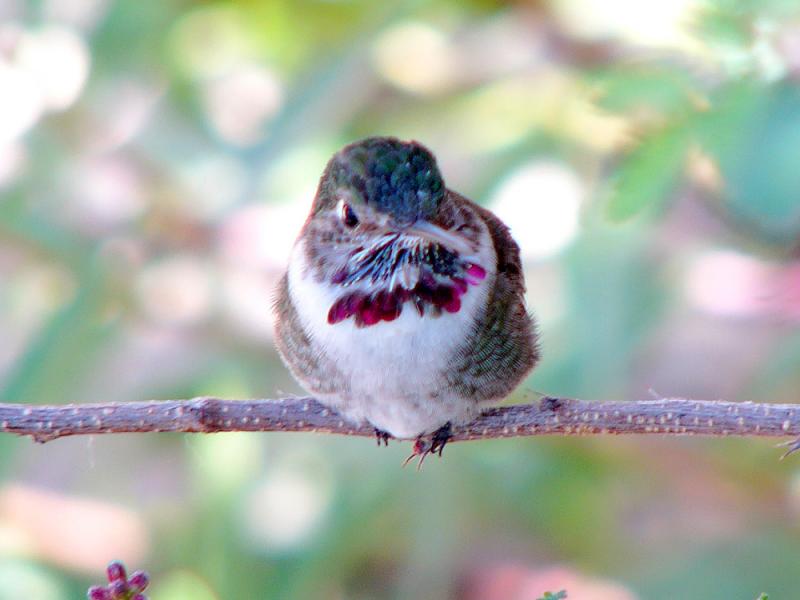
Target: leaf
754 135
724 26
649 172
722 129
655 87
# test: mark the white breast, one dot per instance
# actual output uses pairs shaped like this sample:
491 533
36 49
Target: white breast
395 368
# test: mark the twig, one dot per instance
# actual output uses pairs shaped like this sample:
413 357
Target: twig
550 416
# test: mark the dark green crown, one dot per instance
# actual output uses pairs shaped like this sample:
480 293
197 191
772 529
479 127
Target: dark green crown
398 178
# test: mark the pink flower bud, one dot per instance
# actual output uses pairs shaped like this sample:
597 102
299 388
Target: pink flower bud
116 571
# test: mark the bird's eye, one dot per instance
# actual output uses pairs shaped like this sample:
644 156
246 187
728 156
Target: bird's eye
347 214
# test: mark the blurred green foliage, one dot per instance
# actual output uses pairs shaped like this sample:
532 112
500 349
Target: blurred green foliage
557 596
645 156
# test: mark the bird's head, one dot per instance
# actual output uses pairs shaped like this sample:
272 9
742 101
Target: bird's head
384 231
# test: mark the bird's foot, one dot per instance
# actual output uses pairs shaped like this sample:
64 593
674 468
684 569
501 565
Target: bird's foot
440 438
382 436
792 447
433 444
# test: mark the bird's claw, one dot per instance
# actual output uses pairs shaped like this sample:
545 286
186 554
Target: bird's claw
433 445
421 448
440 438
382 436
792 447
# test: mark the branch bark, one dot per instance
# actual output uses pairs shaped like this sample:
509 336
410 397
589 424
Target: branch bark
550 416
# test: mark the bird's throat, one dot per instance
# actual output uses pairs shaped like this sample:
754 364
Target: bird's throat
431 294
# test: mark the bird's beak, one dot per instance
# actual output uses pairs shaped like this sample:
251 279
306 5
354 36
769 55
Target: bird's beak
433 233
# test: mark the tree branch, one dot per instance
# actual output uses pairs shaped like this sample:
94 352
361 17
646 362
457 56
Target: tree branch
550 416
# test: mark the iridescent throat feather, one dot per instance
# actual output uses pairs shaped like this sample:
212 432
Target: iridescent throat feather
396 270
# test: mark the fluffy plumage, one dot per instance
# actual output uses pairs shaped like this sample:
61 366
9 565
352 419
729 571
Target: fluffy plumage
403 304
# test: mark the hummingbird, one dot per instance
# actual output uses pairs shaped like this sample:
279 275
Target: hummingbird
403 302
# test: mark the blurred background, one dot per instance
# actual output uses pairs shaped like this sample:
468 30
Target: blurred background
157 160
